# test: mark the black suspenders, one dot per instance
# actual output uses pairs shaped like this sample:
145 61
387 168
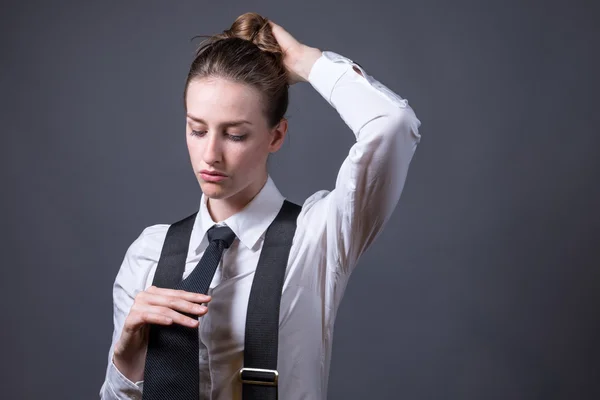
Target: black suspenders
259 375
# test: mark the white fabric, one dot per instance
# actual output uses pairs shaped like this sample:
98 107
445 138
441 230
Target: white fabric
334 229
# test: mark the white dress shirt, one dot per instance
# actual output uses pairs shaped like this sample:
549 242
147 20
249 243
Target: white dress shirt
333 229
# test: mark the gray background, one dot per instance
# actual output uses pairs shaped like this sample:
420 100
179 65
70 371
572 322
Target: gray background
484 285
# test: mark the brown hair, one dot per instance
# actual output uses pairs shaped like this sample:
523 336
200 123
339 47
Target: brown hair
247 53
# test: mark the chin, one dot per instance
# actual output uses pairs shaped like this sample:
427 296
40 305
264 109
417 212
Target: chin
214 191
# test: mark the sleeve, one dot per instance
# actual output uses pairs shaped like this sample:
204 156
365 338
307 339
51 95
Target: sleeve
371 178
132 277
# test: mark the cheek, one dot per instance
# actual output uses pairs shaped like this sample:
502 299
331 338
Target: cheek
242 158
194 147
248 160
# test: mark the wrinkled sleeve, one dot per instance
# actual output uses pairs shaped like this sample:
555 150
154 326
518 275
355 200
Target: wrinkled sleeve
131 278
372 176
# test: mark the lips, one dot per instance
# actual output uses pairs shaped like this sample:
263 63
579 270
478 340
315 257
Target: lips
213 173
212 176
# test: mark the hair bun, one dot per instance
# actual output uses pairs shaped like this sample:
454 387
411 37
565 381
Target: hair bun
255 28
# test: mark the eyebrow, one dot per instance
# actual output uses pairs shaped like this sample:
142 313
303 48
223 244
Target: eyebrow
228 123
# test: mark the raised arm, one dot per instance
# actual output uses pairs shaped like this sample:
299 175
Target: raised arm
372 176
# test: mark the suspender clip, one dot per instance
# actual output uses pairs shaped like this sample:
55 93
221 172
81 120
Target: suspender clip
258 376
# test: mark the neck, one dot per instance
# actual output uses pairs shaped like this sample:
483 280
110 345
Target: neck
221 209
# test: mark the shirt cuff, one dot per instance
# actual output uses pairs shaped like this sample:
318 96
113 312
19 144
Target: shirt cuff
120 384
330 67
326 71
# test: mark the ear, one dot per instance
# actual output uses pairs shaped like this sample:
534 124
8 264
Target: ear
278 135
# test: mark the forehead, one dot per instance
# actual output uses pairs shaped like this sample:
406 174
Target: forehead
218 99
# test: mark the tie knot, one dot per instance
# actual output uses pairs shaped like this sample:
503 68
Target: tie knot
223 233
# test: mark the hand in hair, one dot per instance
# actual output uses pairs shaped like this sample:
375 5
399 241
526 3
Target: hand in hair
298 58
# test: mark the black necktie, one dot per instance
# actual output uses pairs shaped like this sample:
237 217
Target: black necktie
172 370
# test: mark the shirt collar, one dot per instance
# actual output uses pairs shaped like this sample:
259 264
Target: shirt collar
250 223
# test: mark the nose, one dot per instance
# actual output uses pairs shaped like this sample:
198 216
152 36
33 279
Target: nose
212 149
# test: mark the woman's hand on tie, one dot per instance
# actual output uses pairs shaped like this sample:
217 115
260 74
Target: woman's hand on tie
153 306
298 58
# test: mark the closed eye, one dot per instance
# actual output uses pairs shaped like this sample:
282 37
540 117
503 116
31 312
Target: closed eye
236 138
232 137
197 133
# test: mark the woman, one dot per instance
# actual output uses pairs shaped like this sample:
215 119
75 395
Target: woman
235 97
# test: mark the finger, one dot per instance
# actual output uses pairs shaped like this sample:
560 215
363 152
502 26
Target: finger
156 318
283 37
178 318
175 303
136 320
189 296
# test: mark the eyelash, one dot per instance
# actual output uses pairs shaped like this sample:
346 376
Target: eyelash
234 138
